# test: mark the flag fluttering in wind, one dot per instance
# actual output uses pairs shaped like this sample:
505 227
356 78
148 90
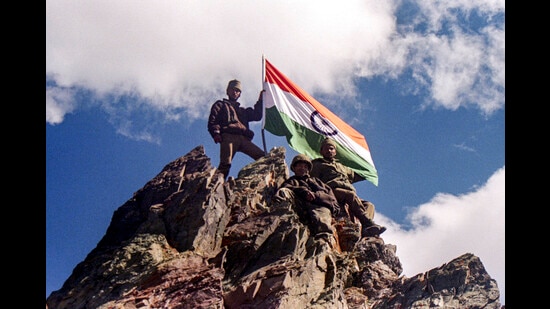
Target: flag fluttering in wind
293 113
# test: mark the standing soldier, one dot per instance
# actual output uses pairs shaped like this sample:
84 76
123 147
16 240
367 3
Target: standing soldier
228 126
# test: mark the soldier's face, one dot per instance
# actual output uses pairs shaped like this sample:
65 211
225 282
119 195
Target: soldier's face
328 151
233 93
301 169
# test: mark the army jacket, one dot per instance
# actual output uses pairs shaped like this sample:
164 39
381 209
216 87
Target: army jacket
229 117
334 173
301 185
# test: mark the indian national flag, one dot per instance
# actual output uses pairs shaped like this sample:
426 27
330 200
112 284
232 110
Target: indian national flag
293 113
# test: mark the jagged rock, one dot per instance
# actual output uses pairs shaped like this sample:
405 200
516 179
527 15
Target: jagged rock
189 239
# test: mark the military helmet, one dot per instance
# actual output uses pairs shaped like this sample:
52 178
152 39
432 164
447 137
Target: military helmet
301 158
234 84
328 141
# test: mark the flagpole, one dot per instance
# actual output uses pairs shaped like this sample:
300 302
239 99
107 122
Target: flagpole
263 104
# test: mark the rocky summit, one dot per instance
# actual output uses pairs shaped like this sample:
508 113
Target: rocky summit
189 239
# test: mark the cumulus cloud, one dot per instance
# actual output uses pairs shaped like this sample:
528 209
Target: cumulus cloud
59 102
175 56
448 226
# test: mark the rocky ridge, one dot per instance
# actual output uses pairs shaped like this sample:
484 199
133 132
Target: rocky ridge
189 239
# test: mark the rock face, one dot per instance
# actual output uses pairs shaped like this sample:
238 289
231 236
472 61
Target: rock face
189 239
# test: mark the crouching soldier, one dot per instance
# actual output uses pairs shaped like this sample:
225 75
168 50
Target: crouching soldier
341 178
313 196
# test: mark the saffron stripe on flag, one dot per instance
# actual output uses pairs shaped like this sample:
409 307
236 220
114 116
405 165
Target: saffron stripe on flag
293 113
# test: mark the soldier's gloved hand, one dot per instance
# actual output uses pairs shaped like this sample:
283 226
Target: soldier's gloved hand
217 138
283 194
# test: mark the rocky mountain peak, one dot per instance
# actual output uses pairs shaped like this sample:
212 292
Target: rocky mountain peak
189 239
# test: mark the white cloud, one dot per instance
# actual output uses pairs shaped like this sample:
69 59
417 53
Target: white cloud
177 55
59 102
449 226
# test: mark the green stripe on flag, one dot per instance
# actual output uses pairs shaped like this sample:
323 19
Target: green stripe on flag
308 142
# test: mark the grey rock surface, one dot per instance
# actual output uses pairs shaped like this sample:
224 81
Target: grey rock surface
189 239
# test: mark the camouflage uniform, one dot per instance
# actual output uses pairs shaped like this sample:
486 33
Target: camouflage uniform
317 212
341 178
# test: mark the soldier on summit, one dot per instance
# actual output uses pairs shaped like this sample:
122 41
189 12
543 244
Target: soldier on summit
341 178
228 126
315 200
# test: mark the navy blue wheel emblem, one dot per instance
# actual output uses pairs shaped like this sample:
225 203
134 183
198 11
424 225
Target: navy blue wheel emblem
321 124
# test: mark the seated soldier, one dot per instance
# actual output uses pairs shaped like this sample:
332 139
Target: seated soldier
312 196
341 178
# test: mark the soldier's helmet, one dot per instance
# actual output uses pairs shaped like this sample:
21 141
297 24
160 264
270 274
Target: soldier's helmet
301 158
328 141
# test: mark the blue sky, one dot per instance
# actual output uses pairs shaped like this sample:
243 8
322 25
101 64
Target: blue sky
129 86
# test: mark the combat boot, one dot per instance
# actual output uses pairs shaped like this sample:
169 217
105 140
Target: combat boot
371 229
